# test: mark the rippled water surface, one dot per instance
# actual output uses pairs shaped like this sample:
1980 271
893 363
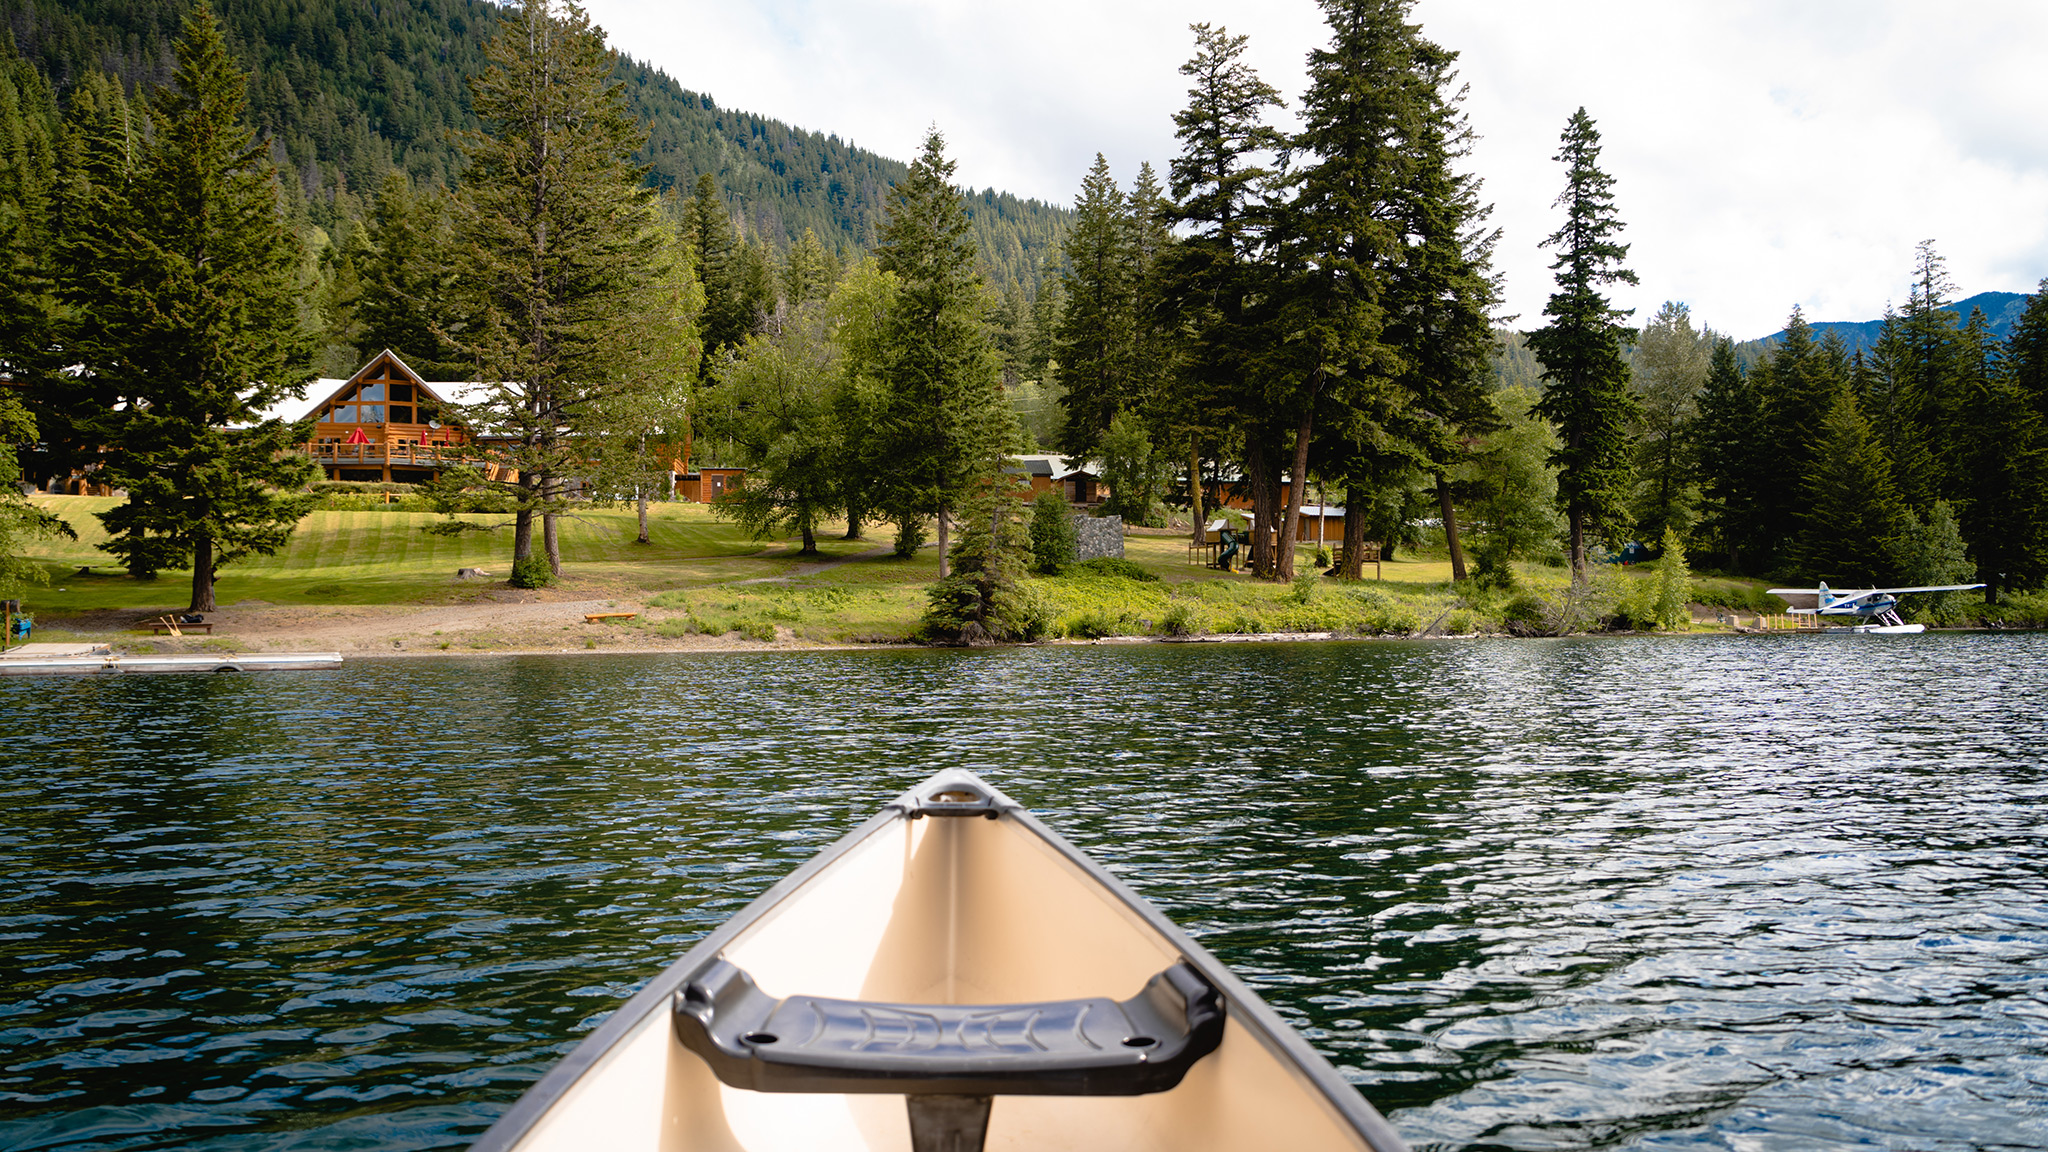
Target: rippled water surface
1748 893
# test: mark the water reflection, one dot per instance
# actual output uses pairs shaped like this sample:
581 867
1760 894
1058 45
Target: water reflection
1737 892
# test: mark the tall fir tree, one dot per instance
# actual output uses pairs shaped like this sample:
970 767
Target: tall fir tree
1441 295
1580 349
1338 237
2002 459
561 240
1853 521
186 283
1730 445
1210 280
1098 328
947 426
407 294
29 127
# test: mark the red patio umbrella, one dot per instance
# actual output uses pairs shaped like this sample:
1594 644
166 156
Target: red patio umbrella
357 437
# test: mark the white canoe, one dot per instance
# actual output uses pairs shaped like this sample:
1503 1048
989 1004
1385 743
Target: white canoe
954 969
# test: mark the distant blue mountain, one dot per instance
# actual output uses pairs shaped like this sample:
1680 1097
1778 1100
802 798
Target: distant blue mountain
2001 308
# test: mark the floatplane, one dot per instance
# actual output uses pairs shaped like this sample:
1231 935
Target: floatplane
1877 609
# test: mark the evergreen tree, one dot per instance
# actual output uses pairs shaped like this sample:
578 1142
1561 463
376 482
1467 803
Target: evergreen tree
1731 446
186 283
1795 388
2002 463
715 252
1854 523
1053 537
1210 281
406 280
1441 296
984 599
99 148
1339 236
1098 329
947 426
29 126
562 242
1580 349
808 271
1924 353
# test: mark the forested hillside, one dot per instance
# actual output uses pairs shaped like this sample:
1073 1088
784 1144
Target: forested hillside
347 89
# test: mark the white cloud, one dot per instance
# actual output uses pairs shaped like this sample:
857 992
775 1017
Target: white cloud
1766 154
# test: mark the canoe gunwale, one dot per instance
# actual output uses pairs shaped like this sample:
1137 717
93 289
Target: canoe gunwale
549 1090
1244 1006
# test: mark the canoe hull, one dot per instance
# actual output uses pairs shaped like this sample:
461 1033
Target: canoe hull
943 910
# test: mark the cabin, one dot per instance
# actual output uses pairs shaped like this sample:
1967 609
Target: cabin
387 425
706 485
1082 485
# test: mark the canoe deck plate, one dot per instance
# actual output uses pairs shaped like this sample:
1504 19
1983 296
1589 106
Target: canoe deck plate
949 1058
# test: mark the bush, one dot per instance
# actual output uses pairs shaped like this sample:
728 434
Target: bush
985 599
328 487
1052 532
760 630
1305 586
1323 558
1115 566
1674 585
909 535
1179 619
532 572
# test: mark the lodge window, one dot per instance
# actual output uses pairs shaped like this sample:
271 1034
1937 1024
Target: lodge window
401 393
344 414
372 392
401 413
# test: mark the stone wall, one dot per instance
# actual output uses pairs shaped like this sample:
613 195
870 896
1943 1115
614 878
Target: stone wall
1098 536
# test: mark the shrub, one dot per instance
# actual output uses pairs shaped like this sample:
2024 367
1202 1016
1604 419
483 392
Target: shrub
532 572
1305 586
1458 623
1116 566
1323 559
1179 619
760 630
1097 623
985 599
1674 585
909 535
1052 532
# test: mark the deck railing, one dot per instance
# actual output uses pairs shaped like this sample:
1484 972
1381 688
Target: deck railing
381 454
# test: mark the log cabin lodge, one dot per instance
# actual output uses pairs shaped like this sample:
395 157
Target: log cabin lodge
386 424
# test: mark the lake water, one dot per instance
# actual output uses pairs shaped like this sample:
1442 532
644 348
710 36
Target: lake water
1752 893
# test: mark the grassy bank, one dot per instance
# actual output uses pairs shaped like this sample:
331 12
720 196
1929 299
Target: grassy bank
700 576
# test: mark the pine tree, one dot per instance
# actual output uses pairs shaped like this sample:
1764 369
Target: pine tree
186 283
808 271
1729 439
1339 236
715 251
984 598
1098 328
1441 296
2002 461
1853 522
562 242
947 426
29 125
406 280
1580 349
1210 281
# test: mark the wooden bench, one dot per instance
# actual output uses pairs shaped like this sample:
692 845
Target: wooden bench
601 617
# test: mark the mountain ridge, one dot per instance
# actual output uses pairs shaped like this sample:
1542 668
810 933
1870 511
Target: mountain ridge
345 90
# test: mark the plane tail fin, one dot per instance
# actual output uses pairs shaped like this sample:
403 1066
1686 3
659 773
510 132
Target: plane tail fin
1826 597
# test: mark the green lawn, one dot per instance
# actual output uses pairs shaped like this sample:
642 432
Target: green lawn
694 568
385 558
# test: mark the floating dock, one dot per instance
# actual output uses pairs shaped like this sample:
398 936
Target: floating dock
99 659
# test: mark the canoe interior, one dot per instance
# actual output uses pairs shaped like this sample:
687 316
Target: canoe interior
958 911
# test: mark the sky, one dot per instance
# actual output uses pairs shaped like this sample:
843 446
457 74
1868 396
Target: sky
1766 154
